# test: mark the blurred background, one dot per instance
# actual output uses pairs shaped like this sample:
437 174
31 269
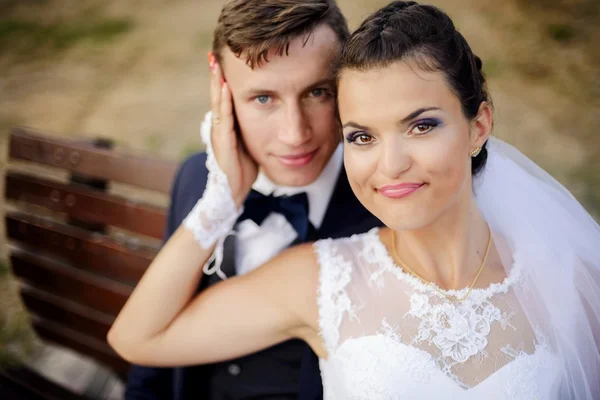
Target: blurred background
135 71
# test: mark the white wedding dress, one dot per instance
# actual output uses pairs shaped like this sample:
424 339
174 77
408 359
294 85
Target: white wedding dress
390 336
536 335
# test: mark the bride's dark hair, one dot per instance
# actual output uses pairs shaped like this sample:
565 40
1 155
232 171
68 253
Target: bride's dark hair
425 35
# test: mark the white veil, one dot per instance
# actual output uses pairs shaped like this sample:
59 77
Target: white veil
556 243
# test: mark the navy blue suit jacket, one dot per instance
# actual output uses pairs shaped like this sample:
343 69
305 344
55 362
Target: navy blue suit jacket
345 216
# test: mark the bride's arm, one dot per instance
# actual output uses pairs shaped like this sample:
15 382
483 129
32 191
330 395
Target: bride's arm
162 325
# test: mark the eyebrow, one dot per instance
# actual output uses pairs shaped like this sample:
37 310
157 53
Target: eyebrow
354 125
257 91
403 121
416 113
322 82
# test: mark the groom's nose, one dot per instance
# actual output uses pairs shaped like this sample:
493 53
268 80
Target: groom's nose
295 129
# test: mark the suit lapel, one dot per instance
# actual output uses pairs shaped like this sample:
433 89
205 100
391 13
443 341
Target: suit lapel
228 266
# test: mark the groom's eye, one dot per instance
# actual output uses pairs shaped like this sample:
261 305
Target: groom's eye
262 99
319 92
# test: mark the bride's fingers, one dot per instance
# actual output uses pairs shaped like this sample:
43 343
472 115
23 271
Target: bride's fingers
215 88
227 130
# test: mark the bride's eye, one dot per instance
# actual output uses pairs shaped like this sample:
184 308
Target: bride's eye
359 138
364 139
423 127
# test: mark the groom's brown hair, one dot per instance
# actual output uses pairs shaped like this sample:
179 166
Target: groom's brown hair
254 27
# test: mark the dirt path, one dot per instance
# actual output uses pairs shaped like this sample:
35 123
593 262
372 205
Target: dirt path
146 86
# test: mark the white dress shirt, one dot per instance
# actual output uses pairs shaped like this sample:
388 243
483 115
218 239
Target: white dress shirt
258 244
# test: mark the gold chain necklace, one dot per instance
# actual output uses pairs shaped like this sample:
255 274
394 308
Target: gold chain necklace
435 287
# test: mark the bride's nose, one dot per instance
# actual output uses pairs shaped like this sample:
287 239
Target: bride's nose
394 158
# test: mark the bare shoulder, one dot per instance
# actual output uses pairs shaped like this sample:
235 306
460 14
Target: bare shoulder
298 265
302 254
292 277
302 263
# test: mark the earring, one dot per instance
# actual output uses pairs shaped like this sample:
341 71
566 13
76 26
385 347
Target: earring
475 152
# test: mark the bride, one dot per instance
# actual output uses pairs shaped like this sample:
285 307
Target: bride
484 284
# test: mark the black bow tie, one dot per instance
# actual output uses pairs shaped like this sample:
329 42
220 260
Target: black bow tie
294 208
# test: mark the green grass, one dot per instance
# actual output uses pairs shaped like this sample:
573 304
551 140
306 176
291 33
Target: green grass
154 143
16 335
533 69
122 144
588 176
16 339
4 269
204 40
560 32
27 35
190 149
492 67
7 122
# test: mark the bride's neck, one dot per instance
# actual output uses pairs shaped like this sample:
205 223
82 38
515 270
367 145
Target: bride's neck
449 251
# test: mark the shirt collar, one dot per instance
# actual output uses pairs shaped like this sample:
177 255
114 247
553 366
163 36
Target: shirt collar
319 192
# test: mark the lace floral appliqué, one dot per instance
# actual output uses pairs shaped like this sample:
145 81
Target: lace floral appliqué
458 331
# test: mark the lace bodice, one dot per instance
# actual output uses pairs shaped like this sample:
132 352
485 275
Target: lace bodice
390 336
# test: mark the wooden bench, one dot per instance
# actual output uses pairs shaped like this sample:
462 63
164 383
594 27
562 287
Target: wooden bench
80 242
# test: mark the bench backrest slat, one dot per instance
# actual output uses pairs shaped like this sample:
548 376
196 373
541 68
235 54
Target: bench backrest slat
83 249
66 313
71 283
86 204
83 158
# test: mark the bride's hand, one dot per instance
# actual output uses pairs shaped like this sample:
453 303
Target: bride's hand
234 161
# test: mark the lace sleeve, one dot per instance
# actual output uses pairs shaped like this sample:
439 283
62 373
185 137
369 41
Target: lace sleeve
214 216
333 300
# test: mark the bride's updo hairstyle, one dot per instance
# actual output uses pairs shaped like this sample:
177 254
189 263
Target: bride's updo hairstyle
423 35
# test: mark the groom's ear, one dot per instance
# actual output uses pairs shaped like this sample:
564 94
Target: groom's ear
481 125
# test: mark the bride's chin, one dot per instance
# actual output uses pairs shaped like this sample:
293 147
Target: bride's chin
405 221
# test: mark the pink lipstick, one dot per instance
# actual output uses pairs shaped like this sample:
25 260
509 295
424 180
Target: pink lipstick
400 190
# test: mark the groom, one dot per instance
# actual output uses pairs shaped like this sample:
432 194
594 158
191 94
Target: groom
276 56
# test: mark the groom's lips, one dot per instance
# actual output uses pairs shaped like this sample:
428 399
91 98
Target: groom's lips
298 159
